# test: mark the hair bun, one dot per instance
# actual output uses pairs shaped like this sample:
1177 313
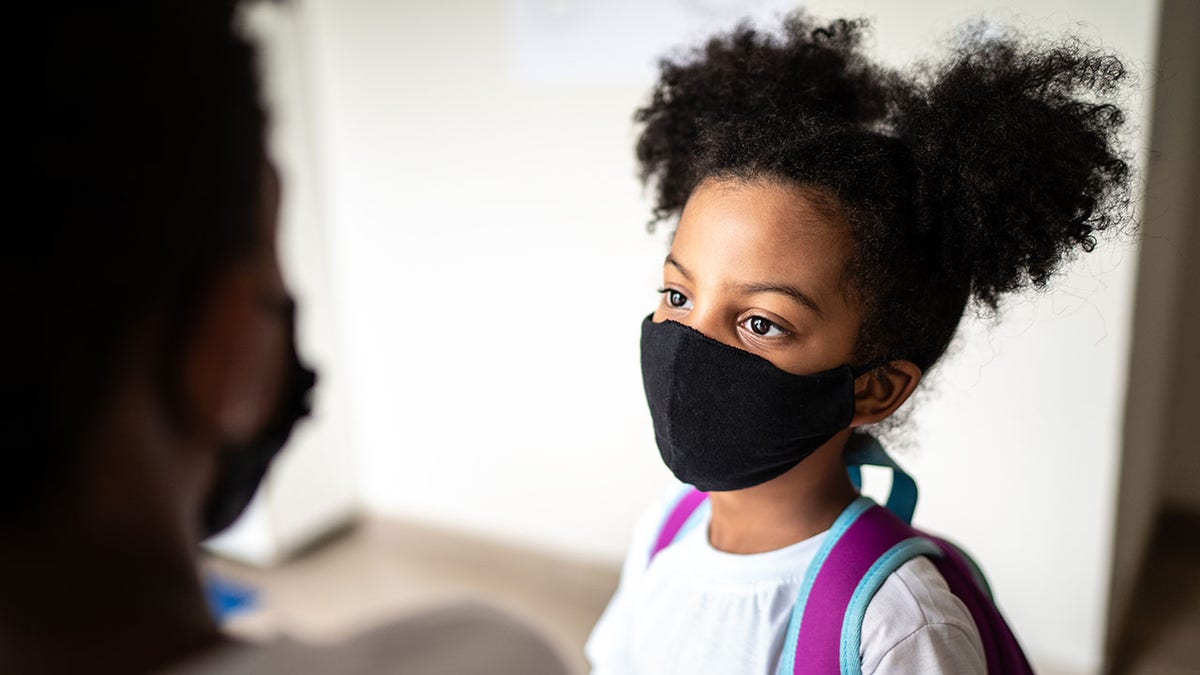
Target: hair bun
1018 159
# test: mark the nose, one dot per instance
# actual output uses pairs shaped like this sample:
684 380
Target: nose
709 320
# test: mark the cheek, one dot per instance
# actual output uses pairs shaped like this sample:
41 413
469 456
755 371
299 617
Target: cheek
831 344
257 374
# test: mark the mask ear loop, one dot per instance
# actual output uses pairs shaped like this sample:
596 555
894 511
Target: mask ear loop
854 469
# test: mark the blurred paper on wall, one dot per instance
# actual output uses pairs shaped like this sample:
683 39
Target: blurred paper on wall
596 42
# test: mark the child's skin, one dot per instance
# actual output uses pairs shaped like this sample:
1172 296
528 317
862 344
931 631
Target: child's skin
759 265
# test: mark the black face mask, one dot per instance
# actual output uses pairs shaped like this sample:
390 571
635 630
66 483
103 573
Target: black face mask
243 466
726 419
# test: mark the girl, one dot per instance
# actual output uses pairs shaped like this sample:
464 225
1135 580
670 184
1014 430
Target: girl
835 219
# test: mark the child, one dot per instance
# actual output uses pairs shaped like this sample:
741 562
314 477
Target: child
835 220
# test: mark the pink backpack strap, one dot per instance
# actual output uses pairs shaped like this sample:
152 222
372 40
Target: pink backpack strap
677 518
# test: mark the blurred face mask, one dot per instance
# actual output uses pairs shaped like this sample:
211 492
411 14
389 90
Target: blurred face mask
243 466
726 419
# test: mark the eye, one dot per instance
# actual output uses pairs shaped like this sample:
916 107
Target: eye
763 327
675 299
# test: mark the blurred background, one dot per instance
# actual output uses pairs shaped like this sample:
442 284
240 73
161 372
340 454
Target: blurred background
465 232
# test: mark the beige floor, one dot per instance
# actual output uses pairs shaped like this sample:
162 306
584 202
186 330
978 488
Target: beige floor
384 569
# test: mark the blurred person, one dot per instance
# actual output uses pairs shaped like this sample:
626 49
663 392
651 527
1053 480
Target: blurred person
835 220
152 370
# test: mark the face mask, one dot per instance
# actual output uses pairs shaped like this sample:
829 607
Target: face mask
243 465
726 419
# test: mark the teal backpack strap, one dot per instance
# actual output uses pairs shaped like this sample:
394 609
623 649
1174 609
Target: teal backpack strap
787 661
864 450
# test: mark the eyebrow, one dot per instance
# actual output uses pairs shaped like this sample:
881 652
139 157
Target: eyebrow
682 270
749 288
790 291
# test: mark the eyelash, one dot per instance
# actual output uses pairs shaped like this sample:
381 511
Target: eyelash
666 293
783 332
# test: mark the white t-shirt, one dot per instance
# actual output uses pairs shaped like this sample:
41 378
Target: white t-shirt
698 610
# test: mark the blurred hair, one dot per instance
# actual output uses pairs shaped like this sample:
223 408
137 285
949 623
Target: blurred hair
140 149
961 180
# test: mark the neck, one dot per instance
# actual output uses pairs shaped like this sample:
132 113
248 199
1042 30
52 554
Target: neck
801 503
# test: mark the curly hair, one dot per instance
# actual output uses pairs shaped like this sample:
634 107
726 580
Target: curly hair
959 181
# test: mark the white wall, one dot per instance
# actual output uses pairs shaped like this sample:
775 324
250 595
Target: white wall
491 271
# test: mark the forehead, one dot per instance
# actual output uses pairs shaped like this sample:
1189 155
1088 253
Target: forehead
762 231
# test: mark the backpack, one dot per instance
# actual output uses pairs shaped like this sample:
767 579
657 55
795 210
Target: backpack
863 547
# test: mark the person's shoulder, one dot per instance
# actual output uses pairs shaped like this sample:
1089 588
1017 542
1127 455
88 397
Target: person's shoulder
244 658
913 619
918 591
459 638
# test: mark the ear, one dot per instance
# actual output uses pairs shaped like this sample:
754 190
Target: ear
878 393
233 360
